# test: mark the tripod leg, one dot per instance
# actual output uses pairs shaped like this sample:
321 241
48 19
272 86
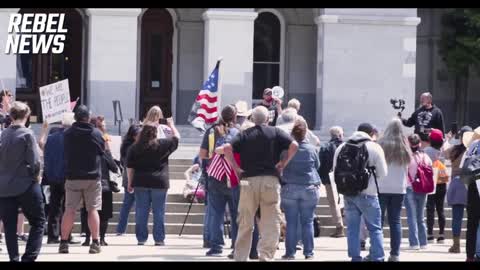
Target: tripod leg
189 208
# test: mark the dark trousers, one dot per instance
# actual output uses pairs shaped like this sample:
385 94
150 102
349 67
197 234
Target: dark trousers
57 206
473 218
103 224
31 202
436 202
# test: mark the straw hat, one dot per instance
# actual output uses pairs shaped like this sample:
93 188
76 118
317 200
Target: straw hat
470 136
242 109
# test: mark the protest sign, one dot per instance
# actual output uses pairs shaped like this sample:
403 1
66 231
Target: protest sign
55 100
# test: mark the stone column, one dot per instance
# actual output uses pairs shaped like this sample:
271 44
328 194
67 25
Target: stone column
8 66
229 34
112 61
365 57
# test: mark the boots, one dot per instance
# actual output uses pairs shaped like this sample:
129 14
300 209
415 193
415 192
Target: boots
455 248
339 232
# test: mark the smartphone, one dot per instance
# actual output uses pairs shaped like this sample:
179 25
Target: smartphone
162 121
454 128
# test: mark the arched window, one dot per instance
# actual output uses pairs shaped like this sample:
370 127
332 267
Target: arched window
266 52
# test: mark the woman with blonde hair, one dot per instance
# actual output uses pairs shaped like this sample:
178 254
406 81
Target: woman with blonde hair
155 117
393 187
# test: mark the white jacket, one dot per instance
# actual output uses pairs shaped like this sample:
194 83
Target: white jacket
376 158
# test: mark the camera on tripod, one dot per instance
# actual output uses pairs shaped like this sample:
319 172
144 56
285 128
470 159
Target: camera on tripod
398 104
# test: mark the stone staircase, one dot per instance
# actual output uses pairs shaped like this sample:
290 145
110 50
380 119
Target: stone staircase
177 206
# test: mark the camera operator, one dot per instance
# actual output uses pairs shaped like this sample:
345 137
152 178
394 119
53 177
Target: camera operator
425 118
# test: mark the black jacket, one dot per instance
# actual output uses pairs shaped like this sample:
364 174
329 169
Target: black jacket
84 148
108 164
424 118
326 155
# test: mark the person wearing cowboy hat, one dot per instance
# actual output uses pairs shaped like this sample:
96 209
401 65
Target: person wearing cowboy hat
243 115
471 140
456 191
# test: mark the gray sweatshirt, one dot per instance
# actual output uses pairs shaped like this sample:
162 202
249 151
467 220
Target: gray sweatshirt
19 161
376 158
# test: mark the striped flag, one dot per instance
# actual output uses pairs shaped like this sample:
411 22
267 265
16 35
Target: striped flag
205 109
219 167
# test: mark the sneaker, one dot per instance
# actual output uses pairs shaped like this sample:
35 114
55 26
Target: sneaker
214 253
363 245
103 242
423 247
95 248
160 243
430 239
254 257
23 238
288 258
231 255
441 240
367 258
309 257
414 247
53 241
73 241
393 258
140 243
86 243
299 247
63 248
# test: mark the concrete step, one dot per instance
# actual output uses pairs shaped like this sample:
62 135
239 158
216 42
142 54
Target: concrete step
197 218
197 229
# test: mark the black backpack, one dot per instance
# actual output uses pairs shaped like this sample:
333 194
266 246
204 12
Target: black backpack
352 172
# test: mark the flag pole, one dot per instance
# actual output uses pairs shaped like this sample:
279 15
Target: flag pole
220 89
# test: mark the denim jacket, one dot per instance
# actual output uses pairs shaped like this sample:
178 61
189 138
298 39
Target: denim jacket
302 169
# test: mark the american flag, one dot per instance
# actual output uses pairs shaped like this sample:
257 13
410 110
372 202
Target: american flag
205 109
219 168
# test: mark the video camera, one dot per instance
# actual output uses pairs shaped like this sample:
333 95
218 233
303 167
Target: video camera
398 104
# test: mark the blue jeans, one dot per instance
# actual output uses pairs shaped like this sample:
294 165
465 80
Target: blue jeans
392 203
217 202
31 202
128 202
299 201
477 250
369 207
146 198
415 205
457 217
206 216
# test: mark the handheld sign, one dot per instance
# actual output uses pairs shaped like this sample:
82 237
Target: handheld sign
55 99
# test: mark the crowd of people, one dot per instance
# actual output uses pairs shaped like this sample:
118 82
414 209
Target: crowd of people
263 167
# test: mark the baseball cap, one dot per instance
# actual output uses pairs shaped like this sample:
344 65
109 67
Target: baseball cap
267 90
436 135
366 127
82 113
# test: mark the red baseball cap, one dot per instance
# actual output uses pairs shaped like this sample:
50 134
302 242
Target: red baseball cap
436 135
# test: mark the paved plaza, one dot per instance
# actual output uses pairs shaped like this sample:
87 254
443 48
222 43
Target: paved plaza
189 248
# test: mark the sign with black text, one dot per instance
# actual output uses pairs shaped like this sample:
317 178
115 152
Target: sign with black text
55 99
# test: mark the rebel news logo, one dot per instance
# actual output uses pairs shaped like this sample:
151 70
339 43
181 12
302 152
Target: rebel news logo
36 33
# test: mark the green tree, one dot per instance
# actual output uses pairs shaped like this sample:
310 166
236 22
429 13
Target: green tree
459 47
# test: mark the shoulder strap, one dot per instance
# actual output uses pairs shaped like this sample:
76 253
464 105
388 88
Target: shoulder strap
372 170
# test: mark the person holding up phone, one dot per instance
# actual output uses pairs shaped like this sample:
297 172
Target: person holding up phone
155 117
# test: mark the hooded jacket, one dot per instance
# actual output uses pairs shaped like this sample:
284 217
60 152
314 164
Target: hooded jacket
19 161
84 148
376 158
